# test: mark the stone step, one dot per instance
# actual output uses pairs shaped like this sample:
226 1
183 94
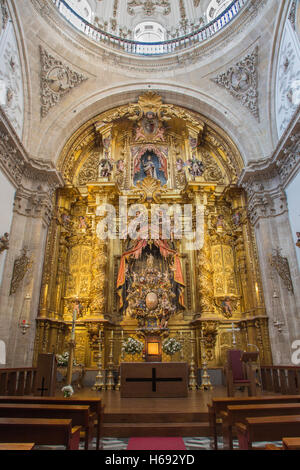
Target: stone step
155 417
166 429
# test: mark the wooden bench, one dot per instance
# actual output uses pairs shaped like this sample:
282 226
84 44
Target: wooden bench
95 405
80 415
40 431
220 404
15 446
238 413
291 443
269 428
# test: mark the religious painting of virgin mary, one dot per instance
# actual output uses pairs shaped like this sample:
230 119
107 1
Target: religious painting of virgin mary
151 165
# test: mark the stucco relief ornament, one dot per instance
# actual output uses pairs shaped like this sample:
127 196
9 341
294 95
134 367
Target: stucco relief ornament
57 79
4 15
292 14
21 265
241 82
281 266
149 6
4 242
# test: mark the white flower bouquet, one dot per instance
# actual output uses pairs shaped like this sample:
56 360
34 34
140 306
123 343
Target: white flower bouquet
63 359
170 346
132 346
67 391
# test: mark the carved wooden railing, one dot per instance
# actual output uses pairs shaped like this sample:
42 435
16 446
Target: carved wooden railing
281 379
153 48
18 381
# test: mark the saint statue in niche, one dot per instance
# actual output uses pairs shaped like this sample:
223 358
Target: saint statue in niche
150 164
227 307
105 168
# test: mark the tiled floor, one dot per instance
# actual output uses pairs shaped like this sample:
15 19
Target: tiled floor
191 443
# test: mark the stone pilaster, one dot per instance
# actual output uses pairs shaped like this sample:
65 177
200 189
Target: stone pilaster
268 212
35 183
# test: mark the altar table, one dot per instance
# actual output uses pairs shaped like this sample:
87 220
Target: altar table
154 379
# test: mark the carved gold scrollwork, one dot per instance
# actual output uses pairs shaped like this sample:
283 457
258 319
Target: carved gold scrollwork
98 279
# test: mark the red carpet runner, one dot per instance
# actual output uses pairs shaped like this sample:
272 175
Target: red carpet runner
156 443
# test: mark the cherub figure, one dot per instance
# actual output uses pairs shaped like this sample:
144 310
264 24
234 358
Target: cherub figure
227 308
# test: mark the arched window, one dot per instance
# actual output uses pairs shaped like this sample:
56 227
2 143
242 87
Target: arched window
215 8
81 7
149 31
2 352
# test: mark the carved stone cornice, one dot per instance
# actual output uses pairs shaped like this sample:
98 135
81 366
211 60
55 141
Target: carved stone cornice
265 180
34 203
35 179
266 197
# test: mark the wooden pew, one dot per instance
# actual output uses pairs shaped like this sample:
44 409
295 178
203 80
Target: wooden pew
95 405
269 428
80 415
15 446
238 413
220 404
41 431
291 443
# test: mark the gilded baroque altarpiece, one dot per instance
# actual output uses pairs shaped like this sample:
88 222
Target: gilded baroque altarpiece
151 152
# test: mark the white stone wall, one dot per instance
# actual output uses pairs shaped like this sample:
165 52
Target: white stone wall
7 193
288 77
293 199
11 82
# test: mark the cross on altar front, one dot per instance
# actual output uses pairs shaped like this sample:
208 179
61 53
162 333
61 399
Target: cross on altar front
153 379
42 389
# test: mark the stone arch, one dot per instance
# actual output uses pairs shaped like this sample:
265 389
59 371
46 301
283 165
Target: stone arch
219 116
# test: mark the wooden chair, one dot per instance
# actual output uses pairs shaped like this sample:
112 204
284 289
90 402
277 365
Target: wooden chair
237 375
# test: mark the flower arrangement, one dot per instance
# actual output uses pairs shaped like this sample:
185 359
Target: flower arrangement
63 359
170 346
67 391
132 346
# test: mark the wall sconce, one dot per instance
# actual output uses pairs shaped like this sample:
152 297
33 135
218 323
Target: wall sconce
24 323
278 324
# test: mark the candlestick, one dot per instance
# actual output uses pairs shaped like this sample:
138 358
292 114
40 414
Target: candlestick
72 343
192 377
110 375
205 379
121 357
99 382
